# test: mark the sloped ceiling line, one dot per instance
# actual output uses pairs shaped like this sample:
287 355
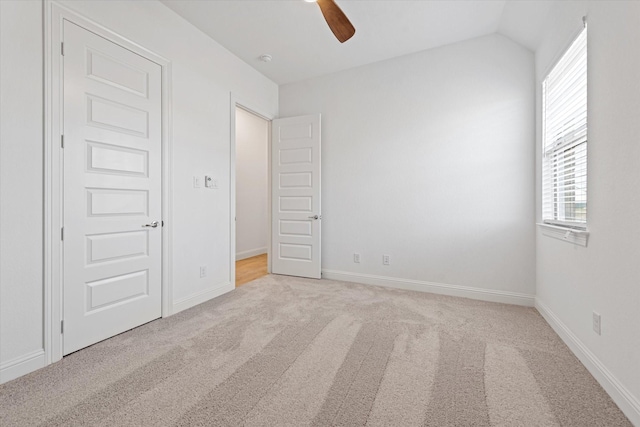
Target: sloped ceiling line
294 33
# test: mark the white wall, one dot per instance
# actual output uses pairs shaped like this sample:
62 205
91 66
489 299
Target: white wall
574 281
204 75
252 144
429 158
21 175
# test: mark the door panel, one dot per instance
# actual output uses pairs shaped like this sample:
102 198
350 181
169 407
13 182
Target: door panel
117 117
296 212
120 289
112 188
111 71
105 158
116 246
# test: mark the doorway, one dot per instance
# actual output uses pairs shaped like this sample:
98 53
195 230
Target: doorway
292 146
252 195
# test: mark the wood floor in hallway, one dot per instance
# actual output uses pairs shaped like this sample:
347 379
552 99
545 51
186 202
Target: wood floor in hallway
250 269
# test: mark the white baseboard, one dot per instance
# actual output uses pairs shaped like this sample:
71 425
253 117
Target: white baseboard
202 296
628 403
505 297
250 253
22 365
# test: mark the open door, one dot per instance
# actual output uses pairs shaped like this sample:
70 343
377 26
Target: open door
296 209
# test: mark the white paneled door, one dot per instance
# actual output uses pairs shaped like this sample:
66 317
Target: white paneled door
296 213
112 188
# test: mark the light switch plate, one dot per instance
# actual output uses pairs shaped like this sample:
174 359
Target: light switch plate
210 182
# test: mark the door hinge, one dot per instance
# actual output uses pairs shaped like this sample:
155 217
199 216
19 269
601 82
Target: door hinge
62 326
62 233
62 48
61 141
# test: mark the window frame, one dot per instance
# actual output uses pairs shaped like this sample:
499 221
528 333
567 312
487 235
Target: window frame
554 223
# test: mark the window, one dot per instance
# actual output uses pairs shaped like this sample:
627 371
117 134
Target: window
564 161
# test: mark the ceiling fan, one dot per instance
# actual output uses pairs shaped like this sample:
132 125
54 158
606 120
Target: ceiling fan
336 19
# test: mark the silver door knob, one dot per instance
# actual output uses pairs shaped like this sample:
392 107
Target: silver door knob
315 217
154 224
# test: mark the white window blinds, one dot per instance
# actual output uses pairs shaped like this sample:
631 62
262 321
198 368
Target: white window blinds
564 174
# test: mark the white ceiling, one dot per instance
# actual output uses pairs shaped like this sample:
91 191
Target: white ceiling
302 46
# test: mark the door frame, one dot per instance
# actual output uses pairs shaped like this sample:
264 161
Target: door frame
54 14
237 102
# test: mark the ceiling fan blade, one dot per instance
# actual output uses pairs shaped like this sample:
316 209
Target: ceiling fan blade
337 20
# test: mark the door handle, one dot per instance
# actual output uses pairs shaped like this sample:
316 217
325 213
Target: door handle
315 217
154 224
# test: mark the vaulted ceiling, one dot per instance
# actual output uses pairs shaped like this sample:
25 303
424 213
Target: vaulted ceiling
295 34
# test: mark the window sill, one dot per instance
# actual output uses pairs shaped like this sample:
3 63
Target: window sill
570 235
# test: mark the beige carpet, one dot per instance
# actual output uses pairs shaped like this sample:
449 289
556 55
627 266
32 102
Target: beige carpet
283 351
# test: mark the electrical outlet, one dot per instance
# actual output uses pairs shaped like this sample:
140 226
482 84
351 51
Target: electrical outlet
356 258
203 271
386 259
596 323
196 182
